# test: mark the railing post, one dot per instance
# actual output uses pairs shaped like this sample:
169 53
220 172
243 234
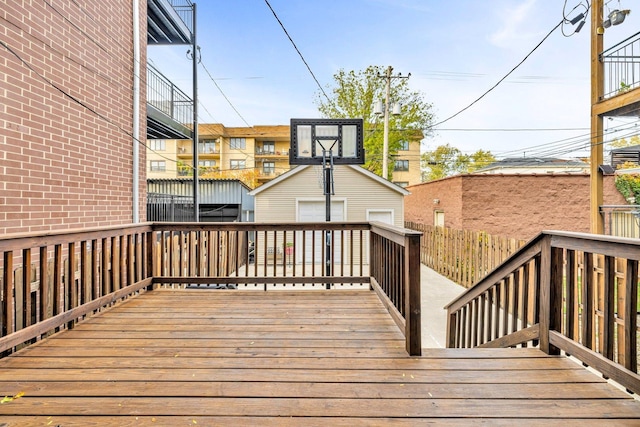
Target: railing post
151 254
545 295
451 329
550 293
413 323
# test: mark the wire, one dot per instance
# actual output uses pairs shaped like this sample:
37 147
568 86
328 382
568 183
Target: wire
580 19
503 78
53 49
84 33
81 103
511 130
223 94
298 50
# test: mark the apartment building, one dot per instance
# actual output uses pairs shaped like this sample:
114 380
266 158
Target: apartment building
263 149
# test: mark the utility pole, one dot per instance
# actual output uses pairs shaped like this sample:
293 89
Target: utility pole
597 134
385 144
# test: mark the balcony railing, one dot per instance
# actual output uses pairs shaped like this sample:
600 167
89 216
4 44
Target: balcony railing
168 98
570 292
50 281
184 8
169 207
622 67
268 152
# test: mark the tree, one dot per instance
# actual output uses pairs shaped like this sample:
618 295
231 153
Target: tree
446 160
248 176
353 96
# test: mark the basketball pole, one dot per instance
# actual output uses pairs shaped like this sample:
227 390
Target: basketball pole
309 141
327 165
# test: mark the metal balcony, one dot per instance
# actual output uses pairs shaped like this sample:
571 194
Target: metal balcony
169 21
622 67
169 110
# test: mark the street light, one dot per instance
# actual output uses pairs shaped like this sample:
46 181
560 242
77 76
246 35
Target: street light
616 17
380 109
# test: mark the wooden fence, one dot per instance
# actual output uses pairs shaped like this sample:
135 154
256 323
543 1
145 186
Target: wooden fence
463 256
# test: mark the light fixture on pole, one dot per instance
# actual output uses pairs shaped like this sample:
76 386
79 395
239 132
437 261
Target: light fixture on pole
616 17
379 109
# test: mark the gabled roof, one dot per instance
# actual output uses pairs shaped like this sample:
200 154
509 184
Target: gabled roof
356 168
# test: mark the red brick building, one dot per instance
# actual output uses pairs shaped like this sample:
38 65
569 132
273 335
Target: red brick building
66 116
517 206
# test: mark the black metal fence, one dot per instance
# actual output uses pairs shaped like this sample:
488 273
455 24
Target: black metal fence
622 66
167 97
169 208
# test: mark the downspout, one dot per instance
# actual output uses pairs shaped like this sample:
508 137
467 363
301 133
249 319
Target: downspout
136 112
196 183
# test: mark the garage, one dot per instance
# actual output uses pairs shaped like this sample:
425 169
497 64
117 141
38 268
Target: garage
315 211
298 196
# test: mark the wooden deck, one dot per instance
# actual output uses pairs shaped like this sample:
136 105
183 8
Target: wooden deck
241 358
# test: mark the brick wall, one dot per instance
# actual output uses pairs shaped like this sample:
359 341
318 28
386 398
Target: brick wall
62 164
517 206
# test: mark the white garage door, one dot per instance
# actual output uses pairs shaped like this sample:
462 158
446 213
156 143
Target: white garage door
381 215
315 211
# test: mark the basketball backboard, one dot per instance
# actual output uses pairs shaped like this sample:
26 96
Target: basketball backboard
310 138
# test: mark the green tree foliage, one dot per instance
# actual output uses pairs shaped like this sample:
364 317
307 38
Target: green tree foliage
446 160
629 186
354 94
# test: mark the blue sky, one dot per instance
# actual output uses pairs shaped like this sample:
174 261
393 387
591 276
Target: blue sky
455 50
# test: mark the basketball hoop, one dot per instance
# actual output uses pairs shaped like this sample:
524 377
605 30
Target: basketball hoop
324 143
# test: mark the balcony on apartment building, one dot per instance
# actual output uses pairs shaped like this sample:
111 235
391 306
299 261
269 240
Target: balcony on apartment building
622 75
271 151
169 110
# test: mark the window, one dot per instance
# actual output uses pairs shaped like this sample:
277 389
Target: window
268 168
157 166
404 145
206 163
238 143
401 165
438 218
268 147
207 146
401 183
237 164
158 145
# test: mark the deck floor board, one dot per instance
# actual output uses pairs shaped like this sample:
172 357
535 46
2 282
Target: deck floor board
212 357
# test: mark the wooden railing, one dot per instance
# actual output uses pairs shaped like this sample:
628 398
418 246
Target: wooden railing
395 275
50 281
263 256
463 256
570 292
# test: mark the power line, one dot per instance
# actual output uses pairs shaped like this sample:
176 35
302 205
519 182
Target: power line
80 102
510 129
298 50
223 94
504 77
